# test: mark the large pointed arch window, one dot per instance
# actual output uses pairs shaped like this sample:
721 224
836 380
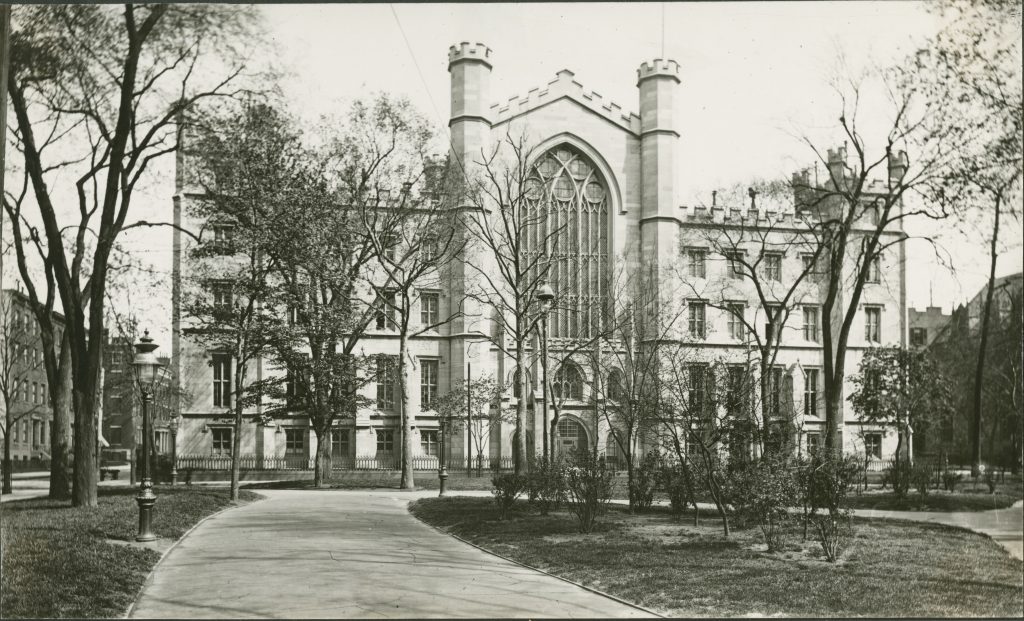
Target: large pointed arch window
567 210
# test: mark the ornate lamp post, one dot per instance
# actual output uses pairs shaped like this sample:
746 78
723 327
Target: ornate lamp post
175 421
545 294
146 365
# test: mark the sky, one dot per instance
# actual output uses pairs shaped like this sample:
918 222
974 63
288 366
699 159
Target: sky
754 77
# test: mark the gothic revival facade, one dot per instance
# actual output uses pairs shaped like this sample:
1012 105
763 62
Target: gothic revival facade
608 178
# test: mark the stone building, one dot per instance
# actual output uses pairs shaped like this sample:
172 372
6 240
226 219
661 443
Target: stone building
614 174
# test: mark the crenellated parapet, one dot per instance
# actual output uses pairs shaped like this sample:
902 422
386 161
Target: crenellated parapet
469 51
658 68
564 85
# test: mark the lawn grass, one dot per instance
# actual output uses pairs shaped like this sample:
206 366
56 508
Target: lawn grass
56 560
934 501
666 564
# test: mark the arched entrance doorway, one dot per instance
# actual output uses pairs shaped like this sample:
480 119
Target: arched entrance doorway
571 435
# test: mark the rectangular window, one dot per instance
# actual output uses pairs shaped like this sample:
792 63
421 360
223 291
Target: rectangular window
385 440
385 377
294 441
428 383
873 445
115 435
775 392
771 311
428 442
875 271
872 214
36 433
430 304
737 330
386 311
430 249
773 266
696 319
223 237
813 443
735 264
341 443
696 263
918 337
811 392
811 324
221 380
221 440
17 433
390 243
737 390
873 324
221 295
809 266
697 376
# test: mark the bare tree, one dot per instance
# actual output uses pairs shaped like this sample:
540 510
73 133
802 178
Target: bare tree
514 265
95 92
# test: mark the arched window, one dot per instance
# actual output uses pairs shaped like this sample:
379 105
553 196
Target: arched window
612 453
616 390
571 436
567 229
568 382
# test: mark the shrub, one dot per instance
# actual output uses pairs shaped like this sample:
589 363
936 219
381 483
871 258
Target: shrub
589 488
641 484
676 480
921 477
897 473
990 480
507 487
546 484
950 480
829 480
763 493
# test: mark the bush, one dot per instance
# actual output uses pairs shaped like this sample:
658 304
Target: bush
763 492
546 484
676 480
507 487
828 483
921 475
589 488
898 477
641 484
950 480
990 480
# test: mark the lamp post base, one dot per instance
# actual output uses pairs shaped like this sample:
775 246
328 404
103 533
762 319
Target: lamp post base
146 499
442 477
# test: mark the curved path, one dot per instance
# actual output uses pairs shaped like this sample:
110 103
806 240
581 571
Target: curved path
1004 526
316 554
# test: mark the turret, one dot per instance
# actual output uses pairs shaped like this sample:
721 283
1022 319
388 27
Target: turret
658 82
837 165
470 67
898 164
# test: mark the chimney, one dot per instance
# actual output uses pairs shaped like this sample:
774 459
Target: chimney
898 164
837 164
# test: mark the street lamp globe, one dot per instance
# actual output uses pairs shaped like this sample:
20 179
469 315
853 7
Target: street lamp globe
146 363
545 293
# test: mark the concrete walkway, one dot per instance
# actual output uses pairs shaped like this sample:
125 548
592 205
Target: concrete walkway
1005 526
317 554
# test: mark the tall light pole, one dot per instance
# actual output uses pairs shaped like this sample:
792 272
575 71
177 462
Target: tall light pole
545 294
146 365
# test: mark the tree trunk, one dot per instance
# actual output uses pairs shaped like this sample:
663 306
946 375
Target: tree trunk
979 371
408 482
322 460
520 437
8 484
60 442
86 475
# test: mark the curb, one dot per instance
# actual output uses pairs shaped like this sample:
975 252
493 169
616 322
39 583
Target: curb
149 576
530 567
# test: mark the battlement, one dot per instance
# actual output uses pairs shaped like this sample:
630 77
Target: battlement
658 67
469 51
719 214
837 155
564 85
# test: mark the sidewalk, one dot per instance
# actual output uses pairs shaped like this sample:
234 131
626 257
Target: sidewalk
37 484
332 554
